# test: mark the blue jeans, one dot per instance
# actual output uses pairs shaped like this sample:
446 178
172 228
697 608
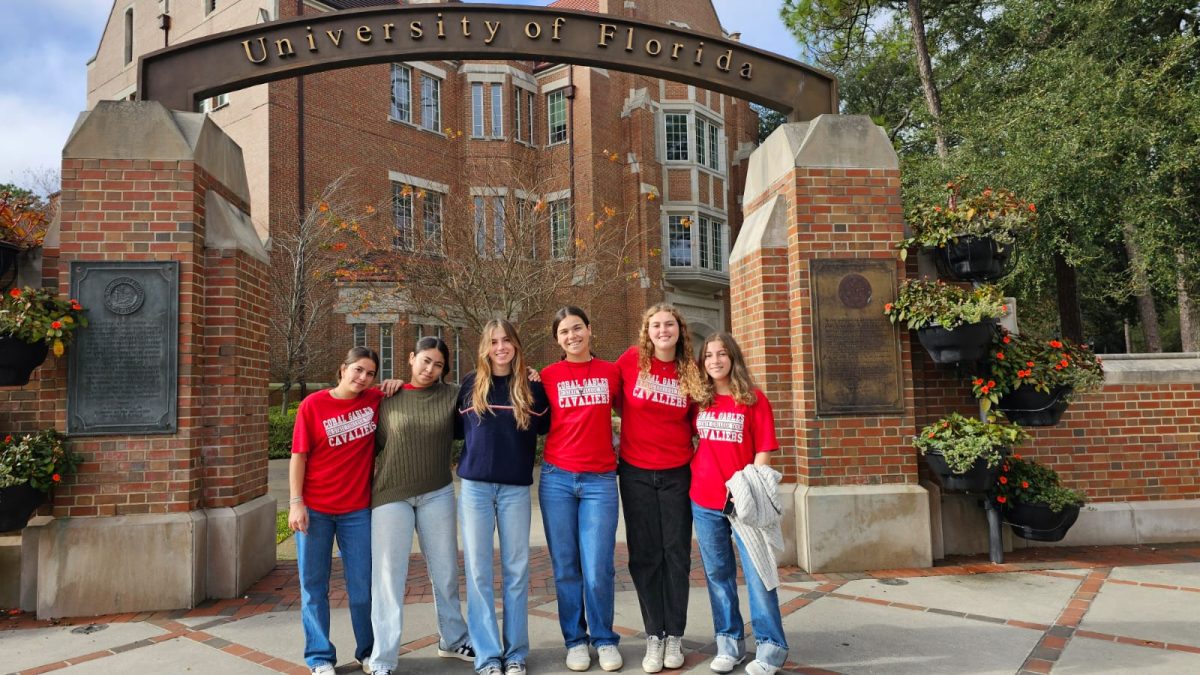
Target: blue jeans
432 515
485 508
579 512
314 553
716 538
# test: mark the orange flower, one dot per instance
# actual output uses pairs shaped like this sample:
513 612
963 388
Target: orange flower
1025 484
1032 208
16 292
978 381
931 434
1029 363
992 384
887 307
56 325
1004 480
1016 456
1007 339
1056 344
8 438
1000 355
1002 499
56 478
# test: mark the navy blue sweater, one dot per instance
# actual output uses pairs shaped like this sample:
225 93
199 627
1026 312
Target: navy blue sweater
496 451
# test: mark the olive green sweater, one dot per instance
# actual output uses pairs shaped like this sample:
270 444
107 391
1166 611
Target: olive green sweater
414 438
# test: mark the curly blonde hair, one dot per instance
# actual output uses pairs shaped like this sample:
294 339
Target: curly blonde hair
740 380
685 363
518 386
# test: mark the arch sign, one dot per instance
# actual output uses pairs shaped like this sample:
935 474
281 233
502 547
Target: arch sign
180 76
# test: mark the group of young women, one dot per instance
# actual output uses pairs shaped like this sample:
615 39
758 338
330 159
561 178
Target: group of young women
369 467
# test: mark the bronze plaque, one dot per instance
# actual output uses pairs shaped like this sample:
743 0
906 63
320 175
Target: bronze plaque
857 349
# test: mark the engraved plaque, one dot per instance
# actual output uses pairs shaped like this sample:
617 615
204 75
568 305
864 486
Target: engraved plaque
124 367
857 349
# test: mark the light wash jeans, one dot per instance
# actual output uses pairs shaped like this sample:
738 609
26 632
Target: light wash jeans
716 538
483 509
314 553
579 512
432 515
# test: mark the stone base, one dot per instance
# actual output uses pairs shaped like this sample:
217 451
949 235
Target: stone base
851 528
10 571
90 566
959 523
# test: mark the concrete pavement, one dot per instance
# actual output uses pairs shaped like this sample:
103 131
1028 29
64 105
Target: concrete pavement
1061 610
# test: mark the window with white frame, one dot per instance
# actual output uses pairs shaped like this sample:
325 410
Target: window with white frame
679 240
431 102
523 115
432 218
498 225
497 110
530 106
477 110
401 93
712 244
556 116
708 147
560 228
386 352
490 231
677 136
527 224
402 212
359 331
493 116
214 103
695 241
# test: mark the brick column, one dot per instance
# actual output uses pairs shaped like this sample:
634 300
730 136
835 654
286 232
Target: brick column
827 189
172 518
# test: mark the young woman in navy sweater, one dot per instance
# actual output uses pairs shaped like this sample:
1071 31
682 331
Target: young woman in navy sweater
502 415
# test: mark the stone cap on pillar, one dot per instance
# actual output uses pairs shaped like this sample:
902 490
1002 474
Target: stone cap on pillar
146 130
765 227
832 141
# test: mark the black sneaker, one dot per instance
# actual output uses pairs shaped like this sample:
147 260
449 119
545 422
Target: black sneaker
463 652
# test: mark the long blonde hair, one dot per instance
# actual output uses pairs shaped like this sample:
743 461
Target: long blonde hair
740 381
518 386
685 364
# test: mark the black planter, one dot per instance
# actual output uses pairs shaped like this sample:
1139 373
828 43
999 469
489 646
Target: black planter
970 258
18 360
979 478
1037 522
17 504
965 344
1032 408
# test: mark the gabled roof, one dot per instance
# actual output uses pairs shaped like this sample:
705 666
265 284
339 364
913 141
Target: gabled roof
582 5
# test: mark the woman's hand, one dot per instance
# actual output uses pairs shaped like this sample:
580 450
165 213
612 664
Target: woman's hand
534 375
390 387
298 517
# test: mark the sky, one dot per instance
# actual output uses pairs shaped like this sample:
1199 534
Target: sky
47 44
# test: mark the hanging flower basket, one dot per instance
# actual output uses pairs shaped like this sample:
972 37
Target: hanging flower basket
979 478
968 343
1032 408
1038 522
974 258
17 505
18 360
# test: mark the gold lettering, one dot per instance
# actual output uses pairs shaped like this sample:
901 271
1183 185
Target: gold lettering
387 31
700 54
262 46
724 59
336 39
628 39
675 47
492 30
312 41
441 27
466 24
284 48
363 34
533 30
607 32
747 71
416 30
654 48
558 23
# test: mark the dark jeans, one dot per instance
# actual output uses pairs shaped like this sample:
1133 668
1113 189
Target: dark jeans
658 529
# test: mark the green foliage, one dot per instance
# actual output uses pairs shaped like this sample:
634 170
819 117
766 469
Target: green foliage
963 440
1043 364
282 530
41 459
38 315
997 214
935 303
279 431
768 120
1024 480
24 217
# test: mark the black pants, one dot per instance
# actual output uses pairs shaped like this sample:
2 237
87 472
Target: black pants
658 529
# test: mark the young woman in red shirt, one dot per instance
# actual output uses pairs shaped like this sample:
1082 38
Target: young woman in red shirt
578 492
660 382
736 427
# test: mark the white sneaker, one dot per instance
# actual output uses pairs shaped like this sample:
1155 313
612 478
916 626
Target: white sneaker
366 666
724 663
673 658
324 669
653 661
579 658
609 657
757 667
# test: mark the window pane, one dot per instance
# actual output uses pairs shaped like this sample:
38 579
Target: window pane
497 111
480 226
714 148
477 109
560 229
498 233
360 334
679 241
556 115
718 247
385 352
402 210
530 121
677 142
518 126
433 221
431 103
701 138
401 93
704 245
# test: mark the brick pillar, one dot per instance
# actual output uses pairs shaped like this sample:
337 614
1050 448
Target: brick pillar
828 189
174 518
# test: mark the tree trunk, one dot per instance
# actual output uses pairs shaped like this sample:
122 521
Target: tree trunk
1187 330
932 99
1067 283
1147 313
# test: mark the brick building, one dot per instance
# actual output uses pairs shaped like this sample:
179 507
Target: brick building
444 147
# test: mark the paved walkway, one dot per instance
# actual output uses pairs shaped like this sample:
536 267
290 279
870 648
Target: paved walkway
1061 610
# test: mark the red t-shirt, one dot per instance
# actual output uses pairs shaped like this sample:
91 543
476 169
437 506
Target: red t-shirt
656 422
581 401
730 435
339 437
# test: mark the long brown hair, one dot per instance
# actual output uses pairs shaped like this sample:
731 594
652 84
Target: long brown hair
740 381
685 364
518 386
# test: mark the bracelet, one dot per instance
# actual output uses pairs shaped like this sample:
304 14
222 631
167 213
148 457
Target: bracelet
296 500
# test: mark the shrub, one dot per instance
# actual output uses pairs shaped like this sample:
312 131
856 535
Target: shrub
279 431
